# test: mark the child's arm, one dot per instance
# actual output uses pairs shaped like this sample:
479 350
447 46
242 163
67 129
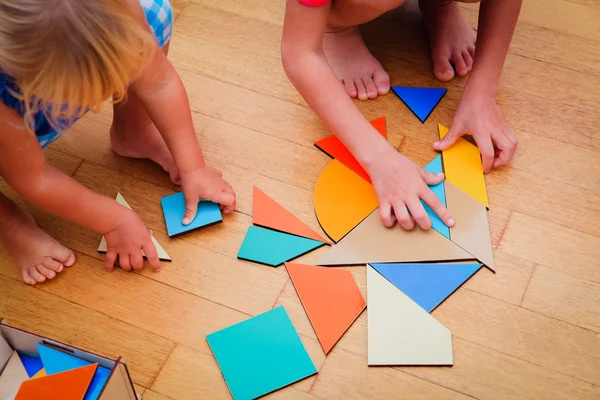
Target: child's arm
164 97
24 167
478 114
399 183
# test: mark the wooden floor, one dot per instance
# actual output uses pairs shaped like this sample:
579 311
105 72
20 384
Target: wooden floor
531 331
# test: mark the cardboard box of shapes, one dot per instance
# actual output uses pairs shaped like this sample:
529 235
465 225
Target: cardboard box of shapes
118 386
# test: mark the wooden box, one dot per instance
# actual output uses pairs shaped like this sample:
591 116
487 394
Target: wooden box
118 386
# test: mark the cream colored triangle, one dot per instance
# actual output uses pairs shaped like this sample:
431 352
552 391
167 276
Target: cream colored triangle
13 375
400 332
162 254
472 230
372 242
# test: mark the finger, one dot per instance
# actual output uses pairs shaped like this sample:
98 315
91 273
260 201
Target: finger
227 199
438 207
419 214
429 178
35 274
451 137
191 207
48 273
385 213
403 217
152 256
124 262
137 261
486 148
509 146
109 261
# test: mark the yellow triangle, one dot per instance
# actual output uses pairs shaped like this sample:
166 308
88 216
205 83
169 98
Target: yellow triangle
462 167
162 254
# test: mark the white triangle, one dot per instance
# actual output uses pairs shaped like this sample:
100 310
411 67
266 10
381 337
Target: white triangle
400 331
12 376
162 254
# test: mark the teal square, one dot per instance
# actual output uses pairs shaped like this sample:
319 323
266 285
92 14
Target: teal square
261 355
173 206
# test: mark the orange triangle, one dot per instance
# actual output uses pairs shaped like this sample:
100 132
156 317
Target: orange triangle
267 213
331 299
68 385
333 147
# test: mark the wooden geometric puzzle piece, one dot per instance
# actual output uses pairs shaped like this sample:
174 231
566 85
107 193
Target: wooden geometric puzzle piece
68 385
267 213
162 254
330 298
472 231
12 376
462 166
342 199
372 242
334 148
400 332
174 206
435 167
421 101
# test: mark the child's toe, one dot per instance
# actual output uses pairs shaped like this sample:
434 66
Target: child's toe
370 86
27 277
468 59
350 88
360 88
46 272
442 68
382 81
459 64
52 264
35 274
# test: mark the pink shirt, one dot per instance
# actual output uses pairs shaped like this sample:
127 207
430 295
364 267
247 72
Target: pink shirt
314 3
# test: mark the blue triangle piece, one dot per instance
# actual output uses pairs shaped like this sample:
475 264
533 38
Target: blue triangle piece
32 365
273 248
421 101
56 361
435 167
427 284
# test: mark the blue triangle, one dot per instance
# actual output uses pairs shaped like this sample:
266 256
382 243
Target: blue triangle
273 248
427 284
435 167
56 361
32 365
421 101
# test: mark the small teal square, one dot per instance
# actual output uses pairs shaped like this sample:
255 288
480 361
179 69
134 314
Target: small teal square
261 355
174 208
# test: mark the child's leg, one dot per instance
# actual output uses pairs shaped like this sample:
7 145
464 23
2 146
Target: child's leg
362 74
134 135
36 253
452 38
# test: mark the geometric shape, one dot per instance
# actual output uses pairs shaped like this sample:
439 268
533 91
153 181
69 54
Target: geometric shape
13 375
267 213
56 361
173 206
471 231
462 167
334 148
331 299
435 167
260 355
32 365
372 242
68 385
400 332
40 373
427 284
162 254
342 200
273 248
421 101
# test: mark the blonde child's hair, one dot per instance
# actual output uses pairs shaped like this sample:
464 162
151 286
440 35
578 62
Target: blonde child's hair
68 56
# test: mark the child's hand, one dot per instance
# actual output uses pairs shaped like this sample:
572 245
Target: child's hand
480 117
206 183
400 184
127 242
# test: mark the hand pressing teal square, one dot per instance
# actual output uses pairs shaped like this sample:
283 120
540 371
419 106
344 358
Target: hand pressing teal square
173 206
261 355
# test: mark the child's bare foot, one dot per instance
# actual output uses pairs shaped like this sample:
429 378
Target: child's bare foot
143 142
36 253
452 39
361 73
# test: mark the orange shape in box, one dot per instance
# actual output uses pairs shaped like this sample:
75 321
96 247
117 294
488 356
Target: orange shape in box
68 385
333 147
331 299
267 213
